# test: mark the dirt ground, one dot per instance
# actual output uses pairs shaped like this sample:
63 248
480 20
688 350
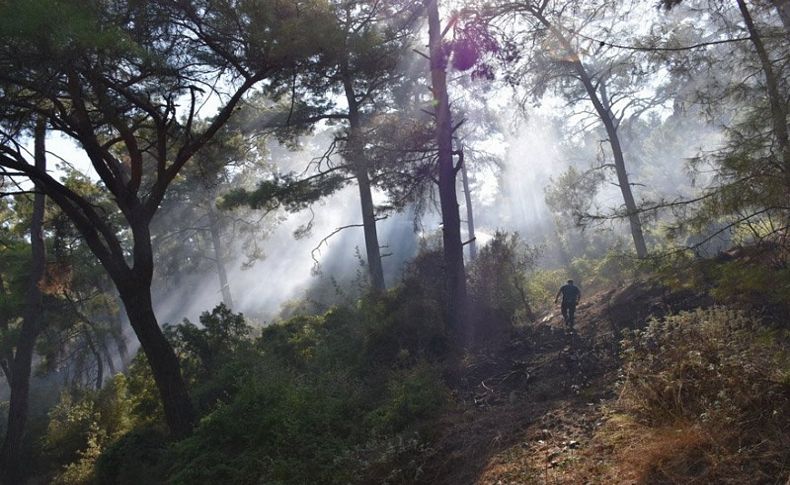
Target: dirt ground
528 408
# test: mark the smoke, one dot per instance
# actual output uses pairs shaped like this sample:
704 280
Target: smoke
532 157
510 196
289 266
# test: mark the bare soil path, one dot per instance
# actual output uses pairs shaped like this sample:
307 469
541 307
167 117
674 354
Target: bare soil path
528 407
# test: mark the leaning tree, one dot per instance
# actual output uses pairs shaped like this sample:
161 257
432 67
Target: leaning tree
566 56
126 81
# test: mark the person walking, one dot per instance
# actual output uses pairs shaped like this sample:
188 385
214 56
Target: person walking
571 294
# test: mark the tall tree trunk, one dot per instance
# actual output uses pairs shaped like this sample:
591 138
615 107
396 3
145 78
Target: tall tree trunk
96 355
605 113
607 118
10 454
451 220
224 285
179 412
372 248
470 217
356 157
6 357
775 100
134 288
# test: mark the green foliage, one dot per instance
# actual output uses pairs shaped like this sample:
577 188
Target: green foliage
498 277
286 427
754 277
136 457
143 393
14 270
406 325
749 191
590 274
413 394
81 425
209 355
751 283
572 194
281 428
322 386
542 287
62 26
614 269
69 426
425 273
284 191
330 398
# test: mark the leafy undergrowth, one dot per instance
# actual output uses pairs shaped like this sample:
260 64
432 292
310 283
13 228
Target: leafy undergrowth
708 392
656 384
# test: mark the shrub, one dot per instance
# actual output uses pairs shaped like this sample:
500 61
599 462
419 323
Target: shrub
324 399
82 424
329 398
213 356
753 284
613 269
498 277
281 428
727 378
136 457
413 395
404 326
542 287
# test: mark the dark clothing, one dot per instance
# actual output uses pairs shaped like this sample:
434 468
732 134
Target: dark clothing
568 312
570 297
570 294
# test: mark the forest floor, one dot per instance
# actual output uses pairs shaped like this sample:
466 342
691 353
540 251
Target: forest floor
528 410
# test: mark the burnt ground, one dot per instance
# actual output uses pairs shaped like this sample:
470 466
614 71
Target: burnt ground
528 407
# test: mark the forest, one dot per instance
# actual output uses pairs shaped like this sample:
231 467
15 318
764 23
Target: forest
343 241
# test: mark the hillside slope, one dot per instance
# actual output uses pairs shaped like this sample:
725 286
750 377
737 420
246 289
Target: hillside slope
532 410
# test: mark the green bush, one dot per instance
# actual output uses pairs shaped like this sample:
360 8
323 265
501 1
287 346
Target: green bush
403 327
614 269
214 356
281 428
591 274
498 277
413 395
324 398
542 287
329 398
136 457
82 424
752 284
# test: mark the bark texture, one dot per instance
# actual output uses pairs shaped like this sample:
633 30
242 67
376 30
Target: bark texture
32 323
778 110
356 157
451 221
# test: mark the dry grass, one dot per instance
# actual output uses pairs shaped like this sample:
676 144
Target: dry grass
677 453
705 399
